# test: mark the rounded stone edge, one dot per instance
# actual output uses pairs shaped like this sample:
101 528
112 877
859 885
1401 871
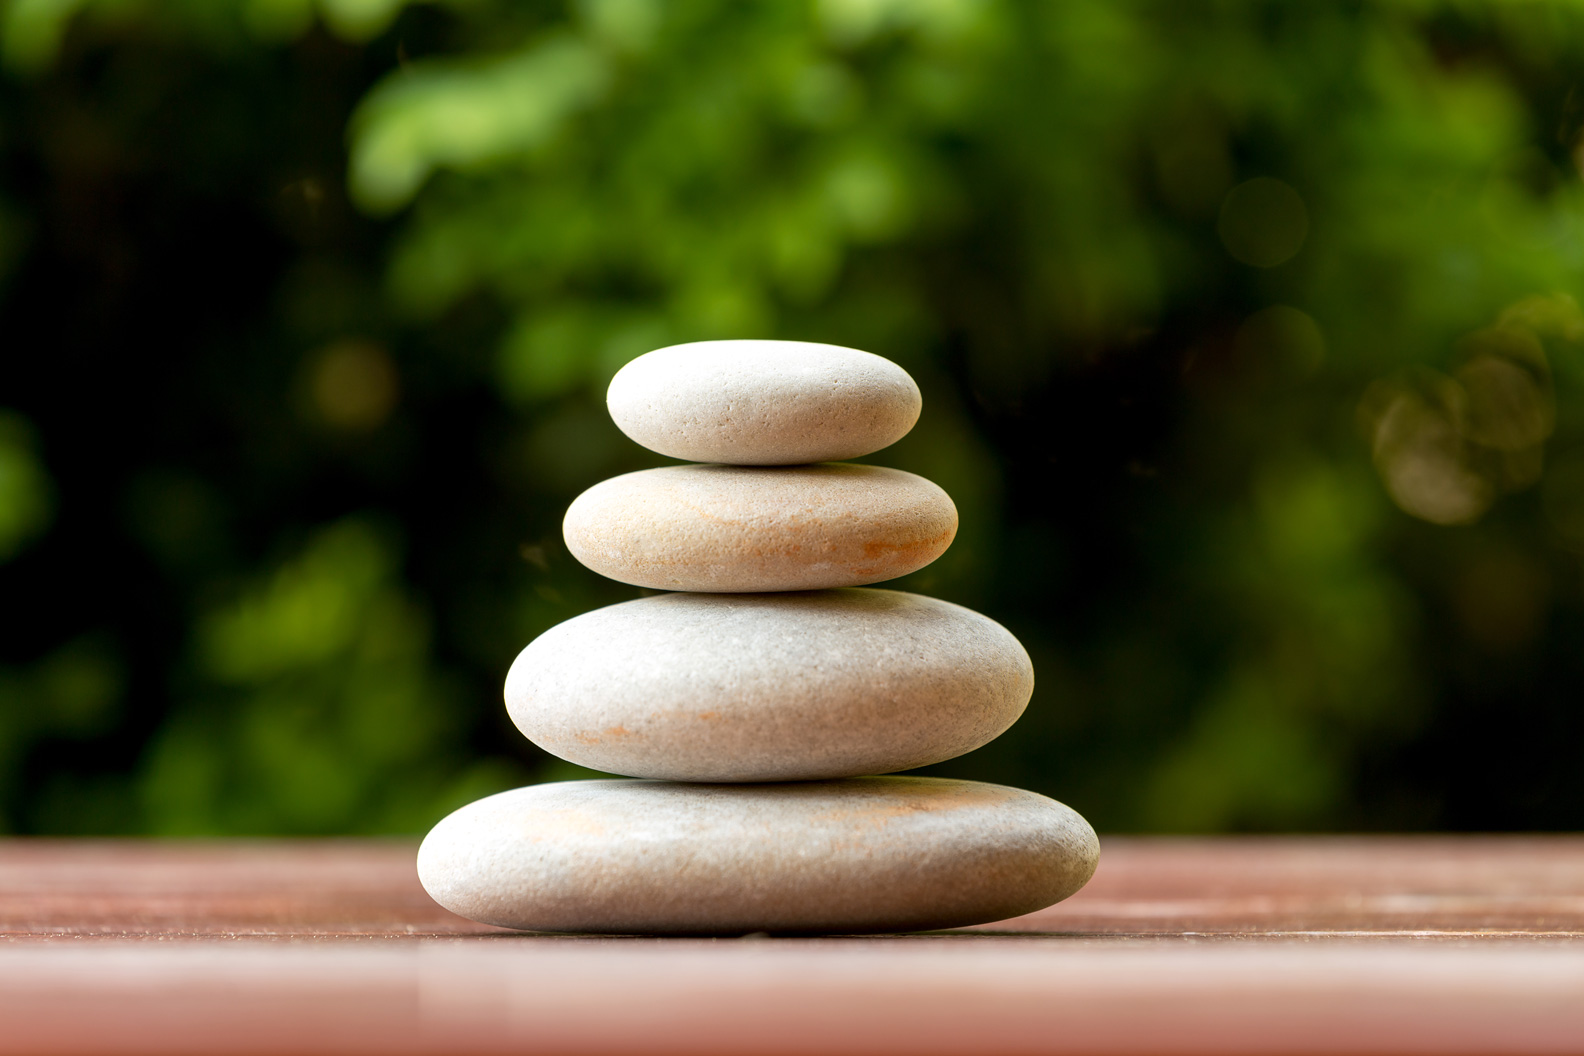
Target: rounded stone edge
578 521
618 405
1084 859
518 711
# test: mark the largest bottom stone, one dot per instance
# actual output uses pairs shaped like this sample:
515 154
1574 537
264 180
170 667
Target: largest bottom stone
866 854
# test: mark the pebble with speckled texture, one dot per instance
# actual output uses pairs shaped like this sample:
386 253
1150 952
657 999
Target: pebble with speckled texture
868 854
763 402
769 687
743 528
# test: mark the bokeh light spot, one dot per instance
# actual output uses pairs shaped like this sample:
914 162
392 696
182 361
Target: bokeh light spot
359 20
1547 315
1505 377
630 25
354 385
1263 222
825 95
1420 452
1281 341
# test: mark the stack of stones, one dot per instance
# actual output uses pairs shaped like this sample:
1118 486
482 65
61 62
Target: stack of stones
754 698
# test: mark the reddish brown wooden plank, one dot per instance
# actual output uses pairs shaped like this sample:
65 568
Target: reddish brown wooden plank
1191 946
234 889
1514 886
1498 886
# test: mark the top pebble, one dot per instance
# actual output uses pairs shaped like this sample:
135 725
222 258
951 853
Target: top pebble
763 403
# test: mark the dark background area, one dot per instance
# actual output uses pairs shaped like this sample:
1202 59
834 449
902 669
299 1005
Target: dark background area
1247 337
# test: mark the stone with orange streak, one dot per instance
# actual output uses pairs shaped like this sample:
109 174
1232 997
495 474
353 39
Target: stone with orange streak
868 854
769 687
730 529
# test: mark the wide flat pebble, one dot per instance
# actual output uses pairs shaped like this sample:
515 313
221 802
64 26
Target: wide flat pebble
769 687
868 854
758 403
745 528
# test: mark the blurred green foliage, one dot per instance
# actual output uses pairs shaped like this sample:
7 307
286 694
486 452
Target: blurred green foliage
1247 332
24 486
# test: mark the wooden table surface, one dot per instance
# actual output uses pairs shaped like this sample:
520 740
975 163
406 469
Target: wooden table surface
1256 945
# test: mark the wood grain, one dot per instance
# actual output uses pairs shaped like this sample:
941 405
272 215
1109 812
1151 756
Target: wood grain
1258 945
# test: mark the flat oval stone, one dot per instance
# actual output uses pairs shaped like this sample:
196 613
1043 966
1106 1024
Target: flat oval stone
745 528
868 854
769 687
763 403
